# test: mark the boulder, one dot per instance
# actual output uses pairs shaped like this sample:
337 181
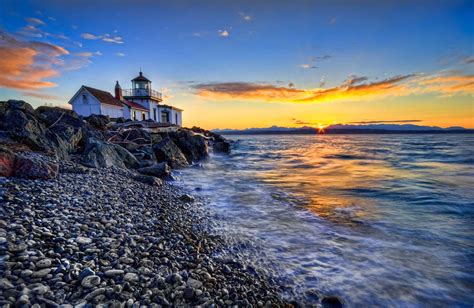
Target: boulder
21 123
160 170
100 154
48 129
7 162
55 115
148 179
221 147
136 135
35 168
167 151
193 146
98 121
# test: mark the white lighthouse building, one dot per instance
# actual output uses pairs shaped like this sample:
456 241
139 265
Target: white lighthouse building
139 103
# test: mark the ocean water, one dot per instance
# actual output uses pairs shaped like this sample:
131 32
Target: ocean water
379 220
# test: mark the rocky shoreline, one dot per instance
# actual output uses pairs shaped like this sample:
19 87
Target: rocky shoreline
98 236
88 217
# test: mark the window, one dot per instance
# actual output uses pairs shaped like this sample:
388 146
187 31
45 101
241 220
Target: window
143 116
134 115
165 117
176 118
84 98
154 114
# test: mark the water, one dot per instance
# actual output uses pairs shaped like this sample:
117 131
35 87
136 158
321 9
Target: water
380 220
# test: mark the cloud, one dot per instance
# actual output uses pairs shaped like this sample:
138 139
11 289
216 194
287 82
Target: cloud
89 36
120 54
353 89
308 66
35 21
447 85
223 33
40 95
106 38
26 64
245 17
79 60
317 58
312 60
332 20
468 60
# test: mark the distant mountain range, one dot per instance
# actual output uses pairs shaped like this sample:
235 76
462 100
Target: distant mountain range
349 129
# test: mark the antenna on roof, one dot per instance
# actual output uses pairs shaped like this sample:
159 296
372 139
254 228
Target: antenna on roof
140 71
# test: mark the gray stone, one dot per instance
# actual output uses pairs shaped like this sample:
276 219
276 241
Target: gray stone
114 272
90 281
45 263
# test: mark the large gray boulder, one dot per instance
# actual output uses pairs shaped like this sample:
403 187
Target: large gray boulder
160 170
20 122
167 151
194 146
101 154
48 129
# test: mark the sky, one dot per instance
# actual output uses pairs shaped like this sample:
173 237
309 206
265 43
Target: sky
241 64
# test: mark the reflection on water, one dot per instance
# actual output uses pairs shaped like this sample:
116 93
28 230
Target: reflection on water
376 219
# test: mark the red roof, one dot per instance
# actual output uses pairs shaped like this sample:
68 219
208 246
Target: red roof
134 105
104 97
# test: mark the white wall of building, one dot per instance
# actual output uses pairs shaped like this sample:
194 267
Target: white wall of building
111 111
85 104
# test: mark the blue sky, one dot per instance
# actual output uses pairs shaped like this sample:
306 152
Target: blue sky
186 48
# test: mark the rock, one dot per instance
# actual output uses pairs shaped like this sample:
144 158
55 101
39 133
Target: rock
23 300
90 281
40 289
98 121
167 151
186 198
188 293
193 283
30 128
193 146
85 273
52 115
45 263
114 272
331 302
100 154
5 284
81 240
94 293
159 170
34 168
148 179
7 162
174 278
136 135
131 277
221 147
17 248
41 273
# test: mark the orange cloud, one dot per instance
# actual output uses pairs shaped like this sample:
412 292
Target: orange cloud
449 85
353 89
25 65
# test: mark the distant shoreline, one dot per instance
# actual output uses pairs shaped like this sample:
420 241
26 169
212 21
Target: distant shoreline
348 132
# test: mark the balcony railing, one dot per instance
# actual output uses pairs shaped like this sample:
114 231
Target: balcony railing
142 92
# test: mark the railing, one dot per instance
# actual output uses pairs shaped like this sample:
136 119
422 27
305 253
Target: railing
142 92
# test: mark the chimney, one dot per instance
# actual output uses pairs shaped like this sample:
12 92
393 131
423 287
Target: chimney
118 91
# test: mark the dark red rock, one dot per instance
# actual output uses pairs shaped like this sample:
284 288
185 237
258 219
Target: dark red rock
7 162
32 168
